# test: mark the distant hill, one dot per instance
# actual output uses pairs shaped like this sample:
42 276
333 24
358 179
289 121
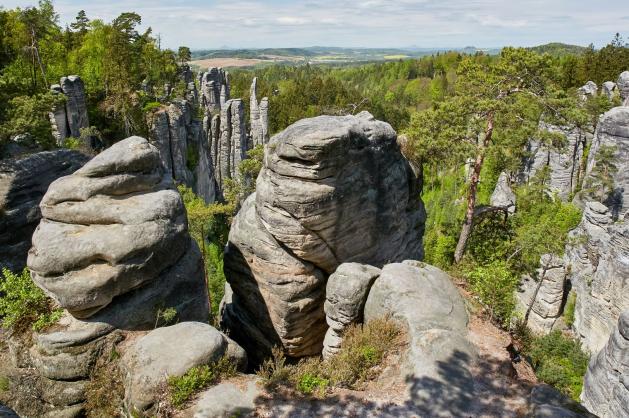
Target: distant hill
558 49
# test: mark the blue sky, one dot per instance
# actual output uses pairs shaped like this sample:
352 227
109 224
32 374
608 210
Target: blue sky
364 23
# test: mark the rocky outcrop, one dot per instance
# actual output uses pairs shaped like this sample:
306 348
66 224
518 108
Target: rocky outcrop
23 183
332 190
564 163
259 116
156 356
346 293
590 89
606 385
126 256
502 196
227 400
214 88
609 89
607 174
427 304
623 87
540 299
597 264
230 144
68 119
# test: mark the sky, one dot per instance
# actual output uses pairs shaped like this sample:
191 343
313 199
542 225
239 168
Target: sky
215 24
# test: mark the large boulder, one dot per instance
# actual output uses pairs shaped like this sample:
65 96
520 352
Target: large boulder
606 385
169 351
23 183
623 87
76 104
503 196
346 293
332 190
437 365
113 249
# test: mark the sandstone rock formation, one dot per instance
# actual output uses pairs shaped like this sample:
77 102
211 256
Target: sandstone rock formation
424 300
503 196
332 190
346 293
612 134
597 265
170 351
229 141
68 120
540 299
126 255
23 183
606 385
609 89
214 88
564 163
588 90
623 87
258 116
227 400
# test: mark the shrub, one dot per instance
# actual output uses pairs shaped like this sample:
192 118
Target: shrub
23 304
362 350
568 312
150 106
495 285
182 388
559 361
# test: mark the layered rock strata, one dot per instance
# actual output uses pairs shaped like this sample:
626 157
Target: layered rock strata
23 183
126 256
258 116
303 222
623 87
606 385
608 162
214 89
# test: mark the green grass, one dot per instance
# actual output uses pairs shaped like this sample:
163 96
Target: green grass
182 388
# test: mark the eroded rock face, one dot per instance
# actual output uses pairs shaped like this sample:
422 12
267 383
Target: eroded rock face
606 385
424 300
611 138
126 256
588 90
214 89
564 164
229 141
540 299
23 183
609 89
597 264
332 190
76 107
258 116
346 293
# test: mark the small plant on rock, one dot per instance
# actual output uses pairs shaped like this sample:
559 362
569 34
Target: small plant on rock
181 388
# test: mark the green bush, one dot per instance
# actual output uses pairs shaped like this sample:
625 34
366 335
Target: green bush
568 312
150 106
23 304
559 361
309 383
495 285
181 388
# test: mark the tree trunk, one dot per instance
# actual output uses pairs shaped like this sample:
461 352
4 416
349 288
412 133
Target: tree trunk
468 223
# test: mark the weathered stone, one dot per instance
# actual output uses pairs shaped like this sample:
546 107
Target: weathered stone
231 141
214 85
612 133
597 263
346 293
503 196
227 400
23 183
63 393
6 412
426 302
303 222
258 116
564 163
164 352
590 89
606 385
623 87
540 299
609 89
180 116
76 107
